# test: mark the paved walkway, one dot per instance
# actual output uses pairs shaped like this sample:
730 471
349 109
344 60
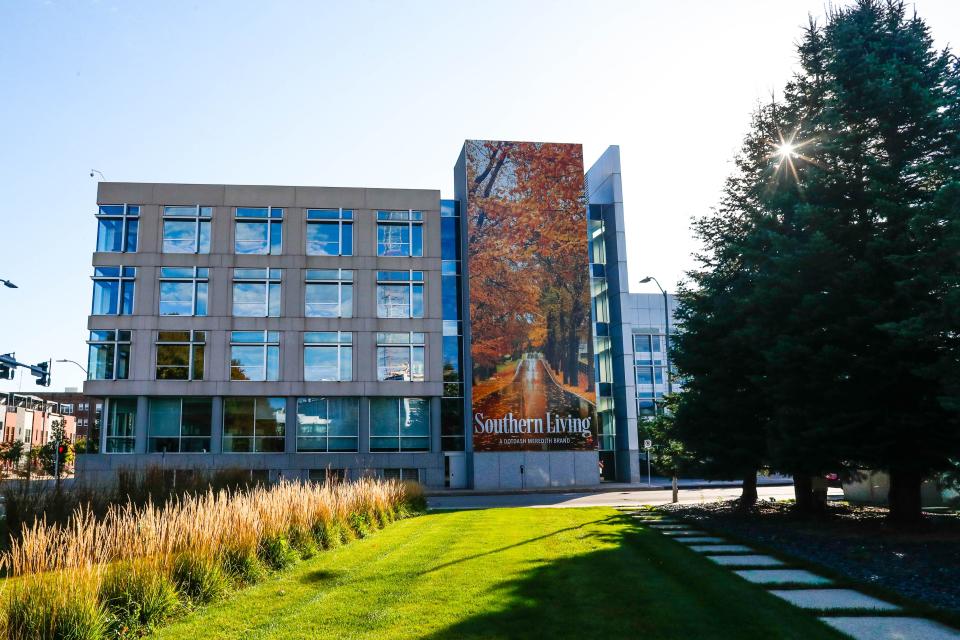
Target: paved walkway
625 498
858 615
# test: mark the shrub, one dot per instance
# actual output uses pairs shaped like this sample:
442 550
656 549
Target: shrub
54 608
244 567
277 553
304 542
137 596
327 534
199 578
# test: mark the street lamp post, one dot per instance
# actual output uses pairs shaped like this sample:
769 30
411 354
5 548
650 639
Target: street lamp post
666 334
82 368
674 485
8 284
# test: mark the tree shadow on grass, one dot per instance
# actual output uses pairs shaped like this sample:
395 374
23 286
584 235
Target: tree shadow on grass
645 586
320 576
476 556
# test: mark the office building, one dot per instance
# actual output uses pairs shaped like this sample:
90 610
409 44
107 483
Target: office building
484 341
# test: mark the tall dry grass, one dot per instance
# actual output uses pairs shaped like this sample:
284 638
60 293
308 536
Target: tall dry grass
191 542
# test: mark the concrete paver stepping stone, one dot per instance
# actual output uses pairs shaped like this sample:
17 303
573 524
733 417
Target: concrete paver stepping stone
891 628
832 599
721 548
781 576
753 560
691 540
683 532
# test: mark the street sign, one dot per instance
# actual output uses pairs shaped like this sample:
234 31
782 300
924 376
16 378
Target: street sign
647 444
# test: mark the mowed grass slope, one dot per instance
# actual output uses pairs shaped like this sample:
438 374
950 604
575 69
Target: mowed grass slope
505 573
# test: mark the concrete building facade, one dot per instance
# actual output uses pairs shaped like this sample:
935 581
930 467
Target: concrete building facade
306 331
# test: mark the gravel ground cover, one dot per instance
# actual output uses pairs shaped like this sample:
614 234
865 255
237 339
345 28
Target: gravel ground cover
921 563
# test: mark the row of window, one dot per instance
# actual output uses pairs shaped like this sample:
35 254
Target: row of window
255 355
259 231
650 372
258 425
328 293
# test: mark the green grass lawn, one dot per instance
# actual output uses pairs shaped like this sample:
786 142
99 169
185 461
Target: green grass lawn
505 573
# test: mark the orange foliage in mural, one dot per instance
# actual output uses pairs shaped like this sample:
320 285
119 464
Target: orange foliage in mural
529 278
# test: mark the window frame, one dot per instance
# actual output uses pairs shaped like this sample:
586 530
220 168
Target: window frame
126 276
342 343
399 404
126 216
129 440
180 436
269 340
326 438
268 219
201 276
193 344
253 437
412 283
204 214
408 218
115 342
314 277
344 217
413 344
270 278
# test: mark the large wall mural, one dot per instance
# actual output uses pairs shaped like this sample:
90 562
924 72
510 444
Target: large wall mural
532 350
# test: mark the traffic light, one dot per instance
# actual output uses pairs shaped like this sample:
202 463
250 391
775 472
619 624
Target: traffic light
42 372
7 366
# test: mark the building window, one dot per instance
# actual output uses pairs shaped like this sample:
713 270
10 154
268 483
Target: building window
109 355
117 227
400 233
329 232
186 229
400 294
113 290
259 230
180 355
121 417
328 474
254 425
180 425
399 424
405 474
256 293
327 424
328 293
255 355
327 356
183 291
400 356
650 372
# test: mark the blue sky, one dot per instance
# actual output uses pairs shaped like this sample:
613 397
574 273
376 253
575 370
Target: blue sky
362 94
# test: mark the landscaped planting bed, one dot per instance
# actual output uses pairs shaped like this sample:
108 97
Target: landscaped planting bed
919 562
127 572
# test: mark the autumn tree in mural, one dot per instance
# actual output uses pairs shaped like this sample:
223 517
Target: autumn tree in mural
529 268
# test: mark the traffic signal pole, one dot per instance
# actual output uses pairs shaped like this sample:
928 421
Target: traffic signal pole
41 370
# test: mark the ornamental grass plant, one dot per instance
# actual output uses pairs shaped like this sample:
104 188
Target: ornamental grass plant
127 572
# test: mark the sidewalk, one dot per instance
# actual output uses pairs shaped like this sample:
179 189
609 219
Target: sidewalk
657 483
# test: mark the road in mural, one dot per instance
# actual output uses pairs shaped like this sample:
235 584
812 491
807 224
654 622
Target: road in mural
531 345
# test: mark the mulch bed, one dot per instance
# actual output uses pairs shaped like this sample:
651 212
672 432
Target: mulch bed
920 562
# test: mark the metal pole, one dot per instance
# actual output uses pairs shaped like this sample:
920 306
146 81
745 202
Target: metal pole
649 484
666 339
